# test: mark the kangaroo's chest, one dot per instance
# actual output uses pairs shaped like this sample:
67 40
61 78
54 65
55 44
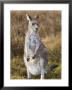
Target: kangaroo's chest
32 40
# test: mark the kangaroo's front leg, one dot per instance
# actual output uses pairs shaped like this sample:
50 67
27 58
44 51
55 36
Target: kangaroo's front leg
28 74
42 68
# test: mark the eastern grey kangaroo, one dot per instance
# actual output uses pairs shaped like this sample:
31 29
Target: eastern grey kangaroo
35 53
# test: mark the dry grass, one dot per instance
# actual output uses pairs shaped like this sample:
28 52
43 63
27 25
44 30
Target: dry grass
50 33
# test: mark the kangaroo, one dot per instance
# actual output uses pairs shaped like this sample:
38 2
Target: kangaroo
35 53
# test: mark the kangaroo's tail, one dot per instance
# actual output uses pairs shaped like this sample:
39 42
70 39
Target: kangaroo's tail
53 66
50 68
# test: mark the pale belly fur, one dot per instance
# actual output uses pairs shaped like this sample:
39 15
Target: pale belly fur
34 66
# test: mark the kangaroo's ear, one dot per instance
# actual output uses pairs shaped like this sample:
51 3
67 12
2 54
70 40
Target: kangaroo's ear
37 17
28 17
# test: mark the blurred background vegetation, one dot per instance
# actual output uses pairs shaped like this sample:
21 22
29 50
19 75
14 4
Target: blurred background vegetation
50 33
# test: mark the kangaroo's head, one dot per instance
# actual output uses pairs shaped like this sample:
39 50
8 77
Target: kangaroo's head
32 23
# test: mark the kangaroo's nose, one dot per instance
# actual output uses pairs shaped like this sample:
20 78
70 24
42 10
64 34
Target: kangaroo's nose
36 28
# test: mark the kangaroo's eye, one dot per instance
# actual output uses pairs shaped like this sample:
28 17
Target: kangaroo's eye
33 23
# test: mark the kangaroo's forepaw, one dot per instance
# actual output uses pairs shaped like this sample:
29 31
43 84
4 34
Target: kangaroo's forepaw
34 56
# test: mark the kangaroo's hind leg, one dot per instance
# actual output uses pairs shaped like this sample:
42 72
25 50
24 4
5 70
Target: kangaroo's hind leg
42 73
42 68
28 74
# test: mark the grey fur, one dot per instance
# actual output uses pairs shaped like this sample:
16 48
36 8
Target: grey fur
35 51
